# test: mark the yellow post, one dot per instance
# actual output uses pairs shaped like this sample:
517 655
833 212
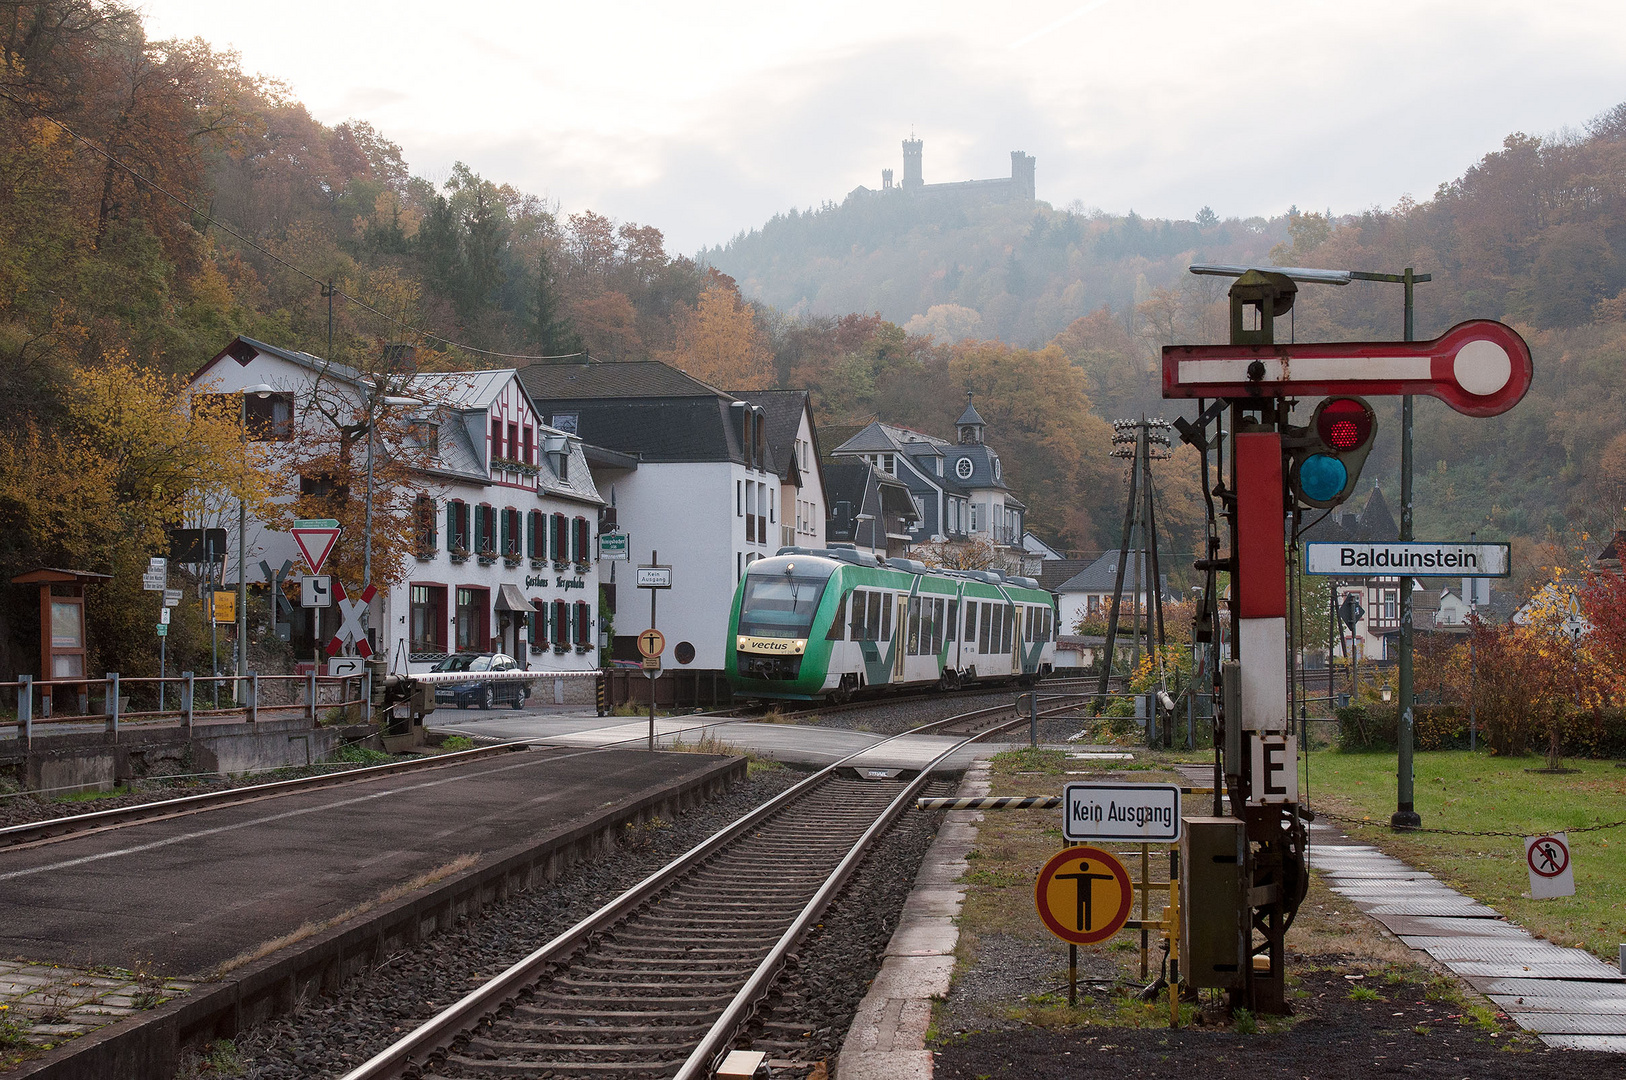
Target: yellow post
1172 921
1145 891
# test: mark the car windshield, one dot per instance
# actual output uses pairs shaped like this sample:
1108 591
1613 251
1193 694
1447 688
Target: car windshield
780 604
464 662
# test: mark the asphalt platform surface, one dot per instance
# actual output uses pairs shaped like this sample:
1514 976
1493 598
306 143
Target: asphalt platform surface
184 895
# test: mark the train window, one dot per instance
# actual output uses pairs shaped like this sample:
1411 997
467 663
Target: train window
838 624
886 616
858 630
1049 623
970 620
953 623
872 624
937 626
1027 627
1006 639
779 605
913 647
987 625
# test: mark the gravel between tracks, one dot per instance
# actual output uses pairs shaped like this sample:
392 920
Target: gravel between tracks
331 1035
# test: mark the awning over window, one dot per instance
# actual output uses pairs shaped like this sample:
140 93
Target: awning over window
509 598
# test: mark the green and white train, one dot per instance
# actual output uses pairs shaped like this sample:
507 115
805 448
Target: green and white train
811 624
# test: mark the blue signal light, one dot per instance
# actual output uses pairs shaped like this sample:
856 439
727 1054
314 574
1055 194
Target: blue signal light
1322 477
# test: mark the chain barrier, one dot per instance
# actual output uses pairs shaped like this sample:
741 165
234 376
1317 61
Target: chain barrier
1464 832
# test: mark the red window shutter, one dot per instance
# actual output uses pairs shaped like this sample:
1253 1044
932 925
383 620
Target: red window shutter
561 623
539 622
584 629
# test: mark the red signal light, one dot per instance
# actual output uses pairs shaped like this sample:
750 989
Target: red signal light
1344 423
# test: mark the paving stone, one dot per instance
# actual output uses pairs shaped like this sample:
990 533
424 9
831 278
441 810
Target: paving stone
1609 1044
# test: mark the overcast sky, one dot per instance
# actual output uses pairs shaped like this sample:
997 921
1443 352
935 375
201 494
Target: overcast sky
705 119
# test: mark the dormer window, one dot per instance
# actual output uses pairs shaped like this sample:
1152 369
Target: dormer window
496 439
963 468
996 468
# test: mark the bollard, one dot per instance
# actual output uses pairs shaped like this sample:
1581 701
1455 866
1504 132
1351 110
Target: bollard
188 687
253 697
113 704
25 710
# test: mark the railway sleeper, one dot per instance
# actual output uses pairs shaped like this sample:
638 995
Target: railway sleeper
595 995
703 1016
663 948
684 979
662 1031
540 1068
641 965
480 1047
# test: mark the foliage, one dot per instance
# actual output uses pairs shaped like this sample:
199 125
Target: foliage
973 554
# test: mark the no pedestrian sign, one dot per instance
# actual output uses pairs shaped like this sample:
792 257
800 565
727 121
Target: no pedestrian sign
1138 813
1548 858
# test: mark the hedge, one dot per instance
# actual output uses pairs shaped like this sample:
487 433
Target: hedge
1597 733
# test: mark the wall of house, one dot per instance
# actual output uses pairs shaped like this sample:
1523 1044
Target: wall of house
692 515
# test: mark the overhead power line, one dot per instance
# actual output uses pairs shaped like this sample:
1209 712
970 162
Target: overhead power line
210 219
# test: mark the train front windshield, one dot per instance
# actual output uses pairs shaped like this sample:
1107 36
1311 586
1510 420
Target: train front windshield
780 604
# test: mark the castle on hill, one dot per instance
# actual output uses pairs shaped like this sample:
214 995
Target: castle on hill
1018 186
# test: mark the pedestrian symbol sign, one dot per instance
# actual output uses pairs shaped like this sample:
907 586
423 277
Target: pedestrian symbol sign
651 643
1548 858
1083 895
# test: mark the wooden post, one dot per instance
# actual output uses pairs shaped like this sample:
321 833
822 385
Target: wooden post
253 697
113 704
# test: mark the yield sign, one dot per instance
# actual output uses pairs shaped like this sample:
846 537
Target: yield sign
316 539
354 627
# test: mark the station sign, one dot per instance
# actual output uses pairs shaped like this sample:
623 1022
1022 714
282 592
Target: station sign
1411 558
1136 813
654 577
1083 895
1479 368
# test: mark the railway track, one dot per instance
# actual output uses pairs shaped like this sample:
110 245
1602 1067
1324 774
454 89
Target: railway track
659 982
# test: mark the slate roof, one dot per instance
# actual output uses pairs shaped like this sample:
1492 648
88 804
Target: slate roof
463 389
1053 572
644 408
1373 522
619 381
783 409
1614 550
1099 575
970 416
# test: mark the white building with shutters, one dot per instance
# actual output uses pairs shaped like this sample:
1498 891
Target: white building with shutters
503 556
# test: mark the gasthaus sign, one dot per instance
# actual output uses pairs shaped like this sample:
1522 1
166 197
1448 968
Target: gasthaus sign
1139 813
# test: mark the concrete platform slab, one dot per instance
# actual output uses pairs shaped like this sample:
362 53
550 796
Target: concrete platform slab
1609 1044
924 936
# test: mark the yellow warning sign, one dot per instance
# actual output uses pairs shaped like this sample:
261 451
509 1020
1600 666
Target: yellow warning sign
651 643
224 606
1083 895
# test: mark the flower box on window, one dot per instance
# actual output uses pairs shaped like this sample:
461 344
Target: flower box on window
560 648
487 558
561 564
582 566
511 559
539 564
584 648
458 554
538 650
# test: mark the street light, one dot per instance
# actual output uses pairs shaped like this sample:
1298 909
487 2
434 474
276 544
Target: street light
260 391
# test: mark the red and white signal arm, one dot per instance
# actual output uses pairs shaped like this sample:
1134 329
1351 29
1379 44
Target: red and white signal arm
1479 368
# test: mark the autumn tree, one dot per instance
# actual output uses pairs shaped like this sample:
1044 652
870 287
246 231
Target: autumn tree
718 343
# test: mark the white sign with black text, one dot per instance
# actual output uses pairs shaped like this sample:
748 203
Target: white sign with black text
1140 813
1412 558
1275 771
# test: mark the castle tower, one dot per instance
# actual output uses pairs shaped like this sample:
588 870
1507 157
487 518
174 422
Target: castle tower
1022 186
886 179
912 177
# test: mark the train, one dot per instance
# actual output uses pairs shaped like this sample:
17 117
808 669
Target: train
824 624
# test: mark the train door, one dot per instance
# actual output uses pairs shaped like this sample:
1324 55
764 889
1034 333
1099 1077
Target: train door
900 630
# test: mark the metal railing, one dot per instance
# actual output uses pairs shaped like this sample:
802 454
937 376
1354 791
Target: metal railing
141 702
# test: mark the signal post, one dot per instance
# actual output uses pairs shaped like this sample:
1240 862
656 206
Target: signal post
1269 472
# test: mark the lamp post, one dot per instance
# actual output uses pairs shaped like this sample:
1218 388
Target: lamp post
261 391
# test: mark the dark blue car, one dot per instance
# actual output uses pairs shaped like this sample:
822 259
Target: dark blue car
484 693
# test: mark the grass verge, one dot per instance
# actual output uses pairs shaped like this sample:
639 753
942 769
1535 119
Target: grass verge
1478 793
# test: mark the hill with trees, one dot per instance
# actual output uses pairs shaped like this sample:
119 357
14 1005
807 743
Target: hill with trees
156 200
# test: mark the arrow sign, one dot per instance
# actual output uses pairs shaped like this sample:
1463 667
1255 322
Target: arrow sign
1479 368
316 538
354 627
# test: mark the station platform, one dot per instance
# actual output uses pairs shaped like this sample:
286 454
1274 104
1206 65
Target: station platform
184 895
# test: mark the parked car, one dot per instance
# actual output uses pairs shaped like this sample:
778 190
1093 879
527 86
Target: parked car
477 691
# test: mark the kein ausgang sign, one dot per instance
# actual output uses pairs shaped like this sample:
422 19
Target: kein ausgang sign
1142 813
1413 559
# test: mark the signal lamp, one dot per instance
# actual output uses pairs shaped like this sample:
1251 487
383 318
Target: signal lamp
1323 471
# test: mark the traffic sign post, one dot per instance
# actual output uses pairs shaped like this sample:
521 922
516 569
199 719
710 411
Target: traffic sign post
651 643
1083 896
316 537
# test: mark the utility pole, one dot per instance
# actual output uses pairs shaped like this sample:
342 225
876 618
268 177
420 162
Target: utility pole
1141 442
